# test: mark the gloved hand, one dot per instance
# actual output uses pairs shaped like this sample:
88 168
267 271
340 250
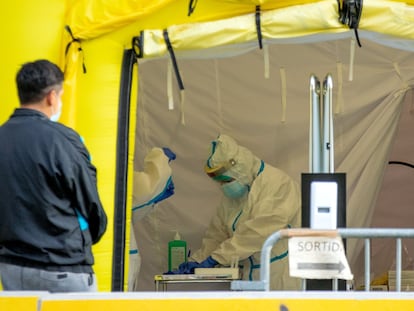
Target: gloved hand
170 155
189 266
184 268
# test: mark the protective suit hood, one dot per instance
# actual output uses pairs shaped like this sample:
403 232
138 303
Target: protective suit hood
240 162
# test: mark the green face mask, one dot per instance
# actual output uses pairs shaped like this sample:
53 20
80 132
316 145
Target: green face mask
234 189
223 178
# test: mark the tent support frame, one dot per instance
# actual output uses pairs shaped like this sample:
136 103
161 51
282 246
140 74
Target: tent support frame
120 206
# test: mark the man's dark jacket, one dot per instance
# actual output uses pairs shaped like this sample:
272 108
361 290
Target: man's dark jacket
50 211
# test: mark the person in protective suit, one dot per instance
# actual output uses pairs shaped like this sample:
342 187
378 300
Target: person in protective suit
150 186
258 200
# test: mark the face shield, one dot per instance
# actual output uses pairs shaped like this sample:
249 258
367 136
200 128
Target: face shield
230 186
221 172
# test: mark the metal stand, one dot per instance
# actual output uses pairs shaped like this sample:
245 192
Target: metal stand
323 191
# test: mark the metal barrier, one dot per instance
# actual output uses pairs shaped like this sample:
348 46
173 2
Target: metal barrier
365 233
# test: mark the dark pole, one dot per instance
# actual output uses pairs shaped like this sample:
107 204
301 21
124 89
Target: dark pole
118 259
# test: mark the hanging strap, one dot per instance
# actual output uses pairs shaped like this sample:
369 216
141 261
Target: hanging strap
177 72
173 59
258 27
260 40
137 45
350 14
351 60
191 7
339 96
80 50
266 60
283 92
170 96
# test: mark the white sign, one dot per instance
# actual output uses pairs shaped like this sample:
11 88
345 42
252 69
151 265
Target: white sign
318 258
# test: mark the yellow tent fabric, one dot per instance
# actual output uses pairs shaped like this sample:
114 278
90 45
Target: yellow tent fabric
90 101
321 18
32 30
90 18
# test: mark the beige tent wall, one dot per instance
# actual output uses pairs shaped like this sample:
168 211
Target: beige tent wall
232 95
395 200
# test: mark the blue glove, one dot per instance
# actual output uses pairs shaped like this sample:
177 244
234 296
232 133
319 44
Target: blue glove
208 263
184 268
189 266
170 155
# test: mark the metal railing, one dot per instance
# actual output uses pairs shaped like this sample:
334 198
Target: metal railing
359 233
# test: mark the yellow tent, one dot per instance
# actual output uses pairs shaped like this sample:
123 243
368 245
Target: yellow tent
93 40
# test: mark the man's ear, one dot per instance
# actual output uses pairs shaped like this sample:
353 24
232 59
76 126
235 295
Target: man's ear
51 98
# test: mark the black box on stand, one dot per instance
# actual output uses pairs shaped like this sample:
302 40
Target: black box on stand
309 212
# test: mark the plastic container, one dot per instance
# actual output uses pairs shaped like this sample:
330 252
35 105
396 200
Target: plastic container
177 252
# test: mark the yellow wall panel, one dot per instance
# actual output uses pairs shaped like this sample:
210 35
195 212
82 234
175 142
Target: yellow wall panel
19 303
93 111
239 304
29 30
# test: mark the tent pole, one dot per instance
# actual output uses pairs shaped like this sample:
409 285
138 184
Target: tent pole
118 257
314 130
327 132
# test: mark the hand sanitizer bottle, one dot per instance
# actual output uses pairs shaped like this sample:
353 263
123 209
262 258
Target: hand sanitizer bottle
177 252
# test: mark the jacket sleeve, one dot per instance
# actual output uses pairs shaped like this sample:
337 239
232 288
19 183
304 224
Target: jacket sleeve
81 178
88 201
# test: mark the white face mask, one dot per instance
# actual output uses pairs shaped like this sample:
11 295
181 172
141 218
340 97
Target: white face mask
55 117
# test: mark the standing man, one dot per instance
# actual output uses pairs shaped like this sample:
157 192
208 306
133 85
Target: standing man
50 211
258 200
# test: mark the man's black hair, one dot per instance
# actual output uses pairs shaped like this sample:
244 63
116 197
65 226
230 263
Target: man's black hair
36 79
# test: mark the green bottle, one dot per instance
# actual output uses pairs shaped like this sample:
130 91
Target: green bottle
177 252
